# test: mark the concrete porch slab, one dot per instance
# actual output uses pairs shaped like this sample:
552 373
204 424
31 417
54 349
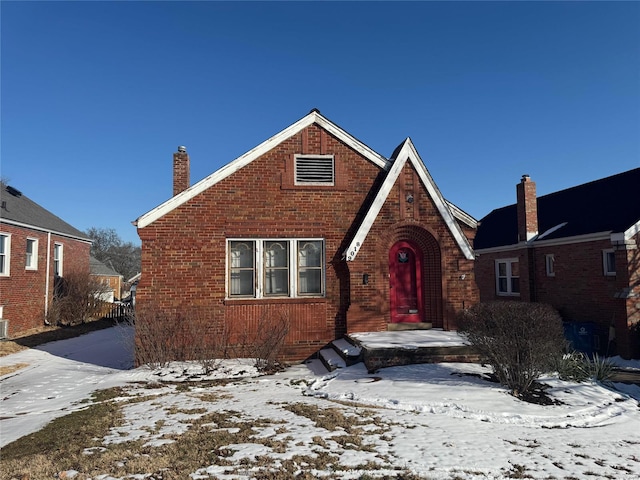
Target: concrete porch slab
407 347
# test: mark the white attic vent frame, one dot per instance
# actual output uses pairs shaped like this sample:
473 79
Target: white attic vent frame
314 170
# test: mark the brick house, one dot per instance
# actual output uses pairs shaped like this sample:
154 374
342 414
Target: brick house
314 223
576 249
108 277
37 249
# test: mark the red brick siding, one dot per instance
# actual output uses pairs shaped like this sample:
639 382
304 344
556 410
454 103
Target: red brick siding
23 293
579 290
181 172
183 253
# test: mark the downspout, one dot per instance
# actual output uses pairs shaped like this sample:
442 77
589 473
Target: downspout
46 283
533 291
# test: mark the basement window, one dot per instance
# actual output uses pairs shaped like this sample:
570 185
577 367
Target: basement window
314 170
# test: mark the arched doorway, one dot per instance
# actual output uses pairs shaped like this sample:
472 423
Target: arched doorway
405 283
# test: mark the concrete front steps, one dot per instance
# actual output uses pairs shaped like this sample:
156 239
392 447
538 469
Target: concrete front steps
340 353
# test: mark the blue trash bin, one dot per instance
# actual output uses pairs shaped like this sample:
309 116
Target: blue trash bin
581 336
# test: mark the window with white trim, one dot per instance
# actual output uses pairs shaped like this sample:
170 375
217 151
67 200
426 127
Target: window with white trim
261 268
5 251
609 262
314 170
31 260
550 264
58 259
507 276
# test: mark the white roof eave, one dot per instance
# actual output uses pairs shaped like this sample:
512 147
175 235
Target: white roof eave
408 153
240 162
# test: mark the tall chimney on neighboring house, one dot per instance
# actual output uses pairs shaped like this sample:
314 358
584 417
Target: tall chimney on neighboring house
527 209
180 170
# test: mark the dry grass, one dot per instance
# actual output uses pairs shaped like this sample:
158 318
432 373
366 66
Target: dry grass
6 370
7 347
75 442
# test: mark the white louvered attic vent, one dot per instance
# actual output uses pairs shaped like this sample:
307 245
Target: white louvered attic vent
315 170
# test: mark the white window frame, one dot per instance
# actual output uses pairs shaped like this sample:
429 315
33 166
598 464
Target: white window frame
31 258
509 277
312 157
550 264
5 264
259 269
58 259
606 267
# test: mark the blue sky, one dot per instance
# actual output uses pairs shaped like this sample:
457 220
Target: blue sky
96 96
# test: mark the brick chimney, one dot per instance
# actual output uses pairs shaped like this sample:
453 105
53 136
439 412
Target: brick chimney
180 170
527 209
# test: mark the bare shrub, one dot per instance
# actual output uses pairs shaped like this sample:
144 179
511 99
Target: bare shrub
164 335
264 344
519 340
77 299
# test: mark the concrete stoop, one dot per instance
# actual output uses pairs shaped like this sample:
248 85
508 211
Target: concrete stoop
348 351
339 354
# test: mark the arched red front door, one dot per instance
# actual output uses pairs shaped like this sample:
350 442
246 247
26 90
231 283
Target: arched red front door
405 283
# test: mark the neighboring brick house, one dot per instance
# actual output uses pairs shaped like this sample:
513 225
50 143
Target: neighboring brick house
576 249
37 249
317 224
108 277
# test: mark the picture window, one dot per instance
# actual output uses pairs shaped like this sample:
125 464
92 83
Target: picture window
260 268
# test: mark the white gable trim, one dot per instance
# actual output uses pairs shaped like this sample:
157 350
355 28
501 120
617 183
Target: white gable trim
408 153
251 155
632 231
461 215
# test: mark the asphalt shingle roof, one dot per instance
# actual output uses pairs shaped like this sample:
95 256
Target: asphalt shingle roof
17 207
609 204
99 268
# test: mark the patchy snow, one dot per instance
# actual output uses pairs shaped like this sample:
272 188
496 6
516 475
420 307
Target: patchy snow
410 339
442 421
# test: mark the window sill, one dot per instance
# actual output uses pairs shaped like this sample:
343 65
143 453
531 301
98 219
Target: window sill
312 187
273 300
502 294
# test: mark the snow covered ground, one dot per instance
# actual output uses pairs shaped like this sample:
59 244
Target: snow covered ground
441 421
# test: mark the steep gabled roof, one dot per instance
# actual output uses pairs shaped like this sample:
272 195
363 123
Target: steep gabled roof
406 152
313 117
609 205
18 209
